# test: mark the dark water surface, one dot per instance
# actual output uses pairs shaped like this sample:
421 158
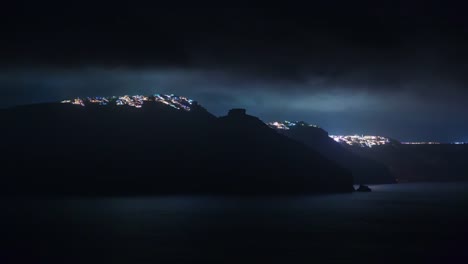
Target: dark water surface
418 223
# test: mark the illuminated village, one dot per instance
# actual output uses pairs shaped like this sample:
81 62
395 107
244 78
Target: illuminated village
286 125
137 101
361 141
354 140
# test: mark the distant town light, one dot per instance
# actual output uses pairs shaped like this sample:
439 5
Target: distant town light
286 125
361 141
136 101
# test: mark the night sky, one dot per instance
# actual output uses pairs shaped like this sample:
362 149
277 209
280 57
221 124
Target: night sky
392 68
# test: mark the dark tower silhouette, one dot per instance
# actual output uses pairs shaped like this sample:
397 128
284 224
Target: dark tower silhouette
237 112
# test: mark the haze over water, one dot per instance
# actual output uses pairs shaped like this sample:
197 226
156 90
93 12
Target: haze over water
426 222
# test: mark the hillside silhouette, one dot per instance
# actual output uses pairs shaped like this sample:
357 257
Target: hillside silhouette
414 163
364 170
114 150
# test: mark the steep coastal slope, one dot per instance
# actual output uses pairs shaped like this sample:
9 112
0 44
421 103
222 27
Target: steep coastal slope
414 163
364 170
155 149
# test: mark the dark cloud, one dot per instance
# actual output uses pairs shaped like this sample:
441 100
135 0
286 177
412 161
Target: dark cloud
366 61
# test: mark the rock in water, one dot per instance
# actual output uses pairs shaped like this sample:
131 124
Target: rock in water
363 188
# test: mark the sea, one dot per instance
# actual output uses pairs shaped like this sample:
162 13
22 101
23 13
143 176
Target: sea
399 223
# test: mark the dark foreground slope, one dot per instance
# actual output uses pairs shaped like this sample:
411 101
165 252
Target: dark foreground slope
67 149
413 163
364 170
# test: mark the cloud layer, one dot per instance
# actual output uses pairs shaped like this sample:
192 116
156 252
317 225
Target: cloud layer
381 67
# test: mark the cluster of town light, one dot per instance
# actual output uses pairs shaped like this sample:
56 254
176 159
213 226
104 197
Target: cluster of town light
137 101
361 141
354 140
286 125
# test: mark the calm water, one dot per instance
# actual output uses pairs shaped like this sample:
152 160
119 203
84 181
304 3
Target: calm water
417 222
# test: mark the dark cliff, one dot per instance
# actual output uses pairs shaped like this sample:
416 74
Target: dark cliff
93 150
364 170
414 163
